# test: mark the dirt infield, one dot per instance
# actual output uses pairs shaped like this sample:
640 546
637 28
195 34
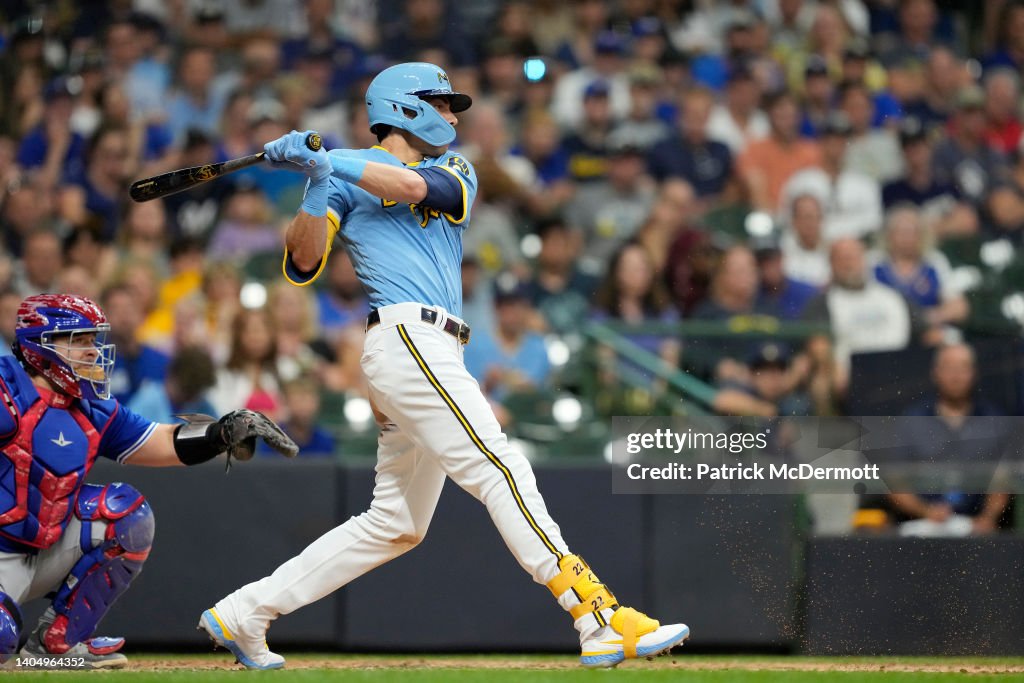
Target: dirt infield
510 662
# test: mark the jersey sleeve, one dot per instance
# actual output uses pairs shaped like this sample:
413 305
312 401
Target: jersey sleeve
123 431
339 199
463 171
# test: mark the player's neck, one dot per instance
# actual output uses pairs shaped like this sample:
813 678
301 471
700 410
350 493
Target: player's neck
401 148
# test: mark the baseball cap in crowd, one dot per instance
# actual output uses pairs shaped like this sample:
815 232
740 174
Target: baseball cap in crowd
857 48
62 86
741 20
645 27
816 66
970 97
508 288
836 123
624 142
599 88
645 75
769 355
266 110
608 43
208 11
911 131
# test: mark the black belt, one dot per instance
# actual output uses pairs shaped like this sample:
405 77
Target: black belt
458 330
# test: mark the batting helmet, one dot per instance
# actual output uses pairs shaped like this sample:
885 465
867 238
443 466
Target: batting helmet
44 317
395 98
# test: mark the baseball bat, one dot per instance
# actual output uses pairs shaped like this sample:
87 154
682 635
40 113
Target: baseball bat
186 178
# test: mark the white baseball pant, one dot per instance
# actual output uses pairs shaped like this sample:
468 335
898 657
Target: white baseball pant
439 424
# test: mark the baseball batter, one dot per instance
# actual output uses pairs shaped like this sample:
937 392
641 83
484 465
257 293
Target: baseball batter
399 209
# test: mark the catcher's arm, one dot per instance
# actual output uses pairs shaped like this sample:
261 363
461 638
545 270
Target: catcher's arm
203 438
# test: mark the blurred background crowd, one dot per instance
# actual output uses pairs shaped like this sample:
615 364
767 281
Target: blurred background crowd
763 207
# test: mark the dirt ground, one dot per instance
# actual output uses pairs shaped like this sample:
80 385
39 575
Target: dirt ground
679 663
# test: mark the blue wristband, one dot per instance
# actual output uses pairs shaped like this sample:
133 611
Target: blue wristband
348 169
315 201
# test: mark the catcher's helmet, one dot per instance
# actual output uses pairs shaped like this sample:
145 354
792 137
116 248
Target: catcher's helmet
46 317
395 98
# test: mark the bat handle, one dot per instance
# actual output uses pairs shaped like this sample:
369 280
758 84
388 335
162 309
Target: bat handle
313 142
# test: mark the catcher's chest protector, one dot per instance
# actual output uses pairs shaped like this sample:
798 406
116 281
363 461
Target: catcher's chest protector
44 464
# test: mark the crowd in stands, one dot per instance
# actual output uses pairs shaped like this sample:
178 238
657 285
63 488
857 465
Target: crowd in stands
647 164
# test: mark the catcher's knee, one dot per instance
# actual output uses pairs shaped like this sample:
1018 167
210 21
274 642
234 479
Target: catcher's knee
10 626
129 518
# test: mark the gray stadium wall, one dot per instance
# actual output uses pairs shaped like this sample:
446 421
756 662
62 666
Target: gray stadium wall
736 568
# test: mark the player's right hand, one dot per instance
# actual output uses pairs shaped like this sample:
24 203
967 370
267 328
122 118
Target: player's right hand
291 149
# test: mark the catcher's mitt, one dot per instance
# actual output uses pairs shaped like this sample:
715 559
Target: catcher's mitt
240 428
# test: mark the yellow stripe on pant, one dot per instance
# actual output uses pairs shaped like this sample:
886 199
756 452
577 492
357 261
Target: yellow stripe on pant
476 440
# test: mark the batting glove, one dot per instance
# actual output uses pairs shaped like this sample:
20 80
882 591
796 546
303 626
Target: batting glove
292 149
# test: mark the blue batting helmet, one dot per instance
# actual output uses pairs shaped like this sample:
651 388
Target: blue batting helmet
395 98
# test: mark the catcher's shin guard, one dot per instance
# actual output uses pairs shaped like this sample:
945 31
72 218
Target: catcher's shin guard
10 626
104 571
609 633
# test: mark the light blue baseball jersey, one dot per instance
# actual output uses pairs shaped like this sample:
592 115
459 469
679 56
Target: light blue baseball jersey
401 252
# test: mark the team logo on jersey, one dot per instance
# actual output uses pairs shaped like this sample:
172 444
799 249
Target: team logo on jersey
459 164
60 441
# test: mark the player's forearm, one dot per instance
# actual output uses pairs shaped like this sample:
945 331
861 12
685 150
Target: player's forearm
306 240
382 180
158 451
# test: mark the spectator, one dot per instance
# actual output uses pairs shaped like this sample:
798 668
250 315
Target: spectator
135 362
818 98
40 263
672 214
705 164
82 248
246 228
803 243
26 209
249 378
99 191
221 289
767 164
190 374
607 67
560 290
734 287
144 233
541 145
851 300
342 303
508 359
10 299
852 200
301 409
610 212
950 430
52 148
871 151
642 125
426 25
964 159
1009 29
738 121
771 388
941 203
779 294
917 271
300 347
945 75
194 214
1002 104
918 32
630 293
195 104
588 146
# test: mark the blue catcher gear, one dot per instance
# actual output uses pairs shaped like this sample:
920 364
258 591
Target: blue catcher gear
104 571
395 98
10 627
45 319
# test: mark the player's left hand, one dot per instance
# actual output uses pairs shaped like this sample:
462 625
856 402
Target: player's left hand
291 149
240 428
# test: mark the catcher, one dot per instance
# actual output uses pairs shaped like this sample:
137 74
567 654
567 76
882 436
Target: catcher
82 543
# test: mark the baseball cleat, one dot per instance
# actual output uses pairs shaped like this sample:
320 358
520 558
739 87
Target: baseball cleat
252 653
95 653
630 634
